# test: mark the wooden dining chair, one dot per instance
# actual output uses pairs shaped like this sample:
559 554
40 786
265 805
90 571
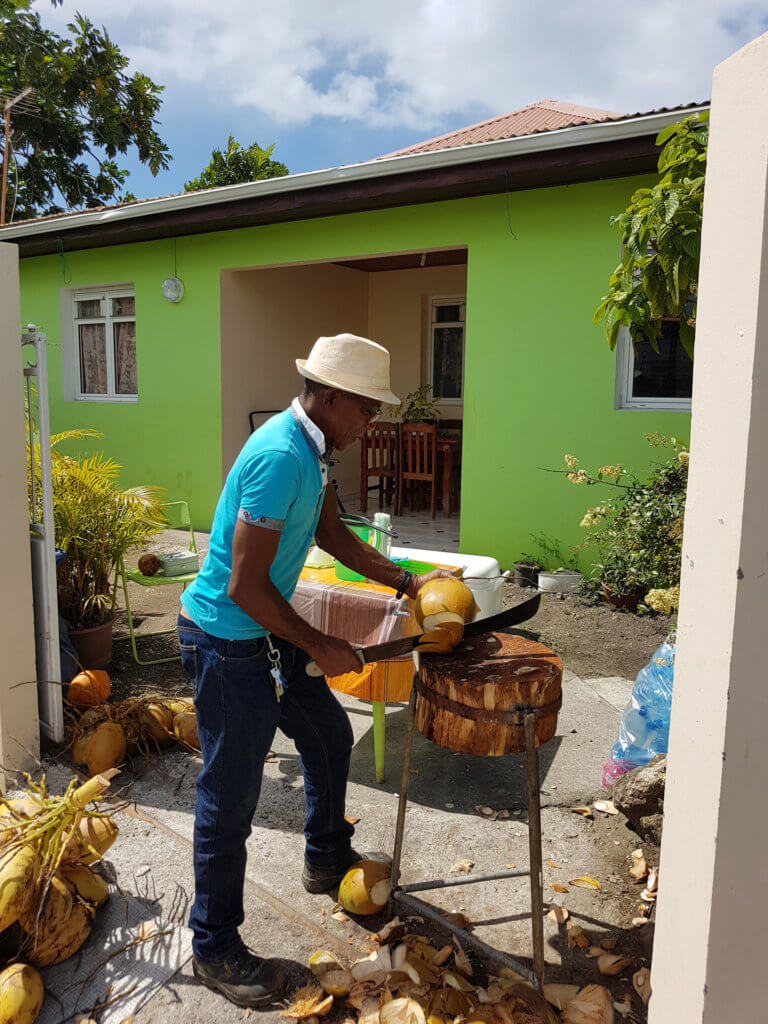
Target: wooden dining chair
378 458
417 461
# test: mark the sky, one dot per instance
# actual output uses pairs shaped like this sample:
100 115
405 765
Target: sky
337 81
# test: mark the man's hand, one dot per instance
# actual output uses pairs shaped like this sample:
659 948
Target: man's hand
418 581
335 657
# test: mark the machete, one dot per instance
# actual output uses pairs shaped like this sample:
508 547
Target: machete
397 648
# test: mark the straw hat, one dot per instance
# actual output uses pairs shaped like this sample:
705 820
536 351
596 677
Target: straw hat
352 364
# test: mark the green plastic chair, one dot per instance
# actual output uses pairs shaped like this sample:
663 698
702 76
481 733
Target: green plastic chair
177 514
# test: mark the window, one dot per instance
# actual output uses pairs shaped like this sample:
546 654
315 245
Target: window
446 349
654 380
104 350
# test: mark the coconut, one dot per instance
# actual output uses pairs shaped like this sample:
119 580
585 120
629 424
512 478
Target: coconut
177 705
366 887
158 722
149 564
444 600
80 746
89 687
321 962
185 729
106 748
54 913
16 810
337 983
18 869
89 886
21 994
91 842
51 947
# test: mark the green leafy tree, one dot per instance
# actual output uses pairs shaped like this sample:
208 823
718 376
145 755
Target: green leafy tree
236 164
661 239
85 110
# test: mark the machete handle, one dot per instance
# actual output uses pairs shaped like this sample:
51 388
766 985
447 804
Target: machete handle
313 669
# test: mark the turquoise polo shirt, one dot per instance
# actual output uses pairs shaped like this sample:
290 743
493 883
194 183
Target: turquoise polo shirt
277 483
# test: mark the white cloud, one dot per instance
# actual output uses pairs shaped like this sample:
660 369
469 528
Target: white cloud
414 63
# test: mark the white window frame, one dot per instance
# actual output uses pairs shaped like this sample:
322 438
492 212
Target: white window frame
70 340
625 368
447 300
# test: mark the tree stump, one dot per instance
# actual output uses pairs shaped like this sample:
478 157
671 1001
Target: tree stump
474 699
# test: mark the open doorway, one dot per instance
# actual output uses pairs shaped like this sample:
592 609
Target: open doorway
413 303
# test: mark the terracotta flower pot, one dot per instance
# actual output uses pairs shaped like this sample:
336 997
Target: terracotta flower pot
94 645
628 601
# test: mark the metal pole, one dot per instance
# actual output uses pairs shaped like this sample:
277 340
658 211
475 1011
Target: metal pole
6 148
405 777
534 847
445 883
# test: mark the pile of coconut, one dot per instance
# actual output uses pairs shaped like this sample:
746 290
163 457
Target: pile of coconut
49 893
105 733
407 980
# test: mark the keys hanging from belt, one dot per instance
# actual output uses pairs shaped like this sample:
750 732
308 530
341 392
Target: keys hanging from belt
276 670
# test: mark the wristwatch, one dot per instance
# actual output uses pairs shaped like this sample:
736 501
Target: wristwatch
405 582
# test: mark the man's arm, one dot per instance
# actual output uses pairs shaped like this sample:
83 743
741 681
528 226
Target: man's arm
334 537
250 587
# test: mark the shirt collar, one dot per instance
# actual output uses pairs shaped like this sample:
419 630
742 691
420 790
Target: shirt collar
313 433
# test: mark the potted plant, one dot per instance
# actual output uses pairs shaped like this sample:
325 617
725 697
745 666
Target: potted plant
95 524
527 571
418 407
561 581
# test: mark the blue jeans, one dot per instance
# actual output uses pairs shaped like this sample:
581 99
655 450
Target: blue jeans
237 716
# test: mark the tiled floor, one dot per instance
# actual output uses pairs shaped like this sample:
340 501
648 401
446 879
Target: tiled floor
415 529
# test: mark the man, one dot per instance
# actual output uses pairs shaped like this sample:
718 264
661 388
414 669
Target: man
245 651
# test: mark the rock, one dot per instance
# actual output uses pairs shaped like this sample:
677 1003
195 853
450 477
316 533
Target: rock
640 796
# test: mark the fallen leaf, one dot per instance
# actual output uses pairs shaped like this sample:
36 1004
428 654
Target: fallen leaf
608 944
586 882
606 806
638 922
271 756
639 869
652 883
503 815
457 918
583 811
552 864
340 916
462 867
557 887
641 981
351 819
510 867
646 894
558 913
559 995
595 951
384 934
414 771
612 963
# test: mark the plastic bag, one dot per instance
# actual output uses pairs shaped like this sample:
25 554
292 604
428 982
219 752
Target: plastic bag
644 728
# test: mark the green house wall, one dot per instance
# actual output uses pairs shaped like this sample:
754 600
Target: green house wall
539 378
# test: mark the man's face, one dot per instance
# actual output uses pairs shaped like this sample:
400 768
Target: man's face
351 417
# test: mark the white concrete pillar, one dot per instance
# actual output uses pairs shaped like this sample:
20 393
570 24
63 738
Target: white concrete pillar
709 957
18 706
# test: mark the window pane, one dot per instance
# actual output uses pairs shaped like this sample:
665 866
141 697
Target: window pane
87 309
93 359
448 362
124 305
125 358
667 373
447 314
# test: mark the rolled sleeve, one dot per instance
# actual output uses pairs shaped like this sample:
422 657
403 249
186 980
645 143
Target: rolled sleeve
269 485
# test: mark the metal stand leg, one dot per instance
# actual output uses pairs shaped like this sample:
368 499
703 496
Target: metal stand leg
404 780
534 846
379 737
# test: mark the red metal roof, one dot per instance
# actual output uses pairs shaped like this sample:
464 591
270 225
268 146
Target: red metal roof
543 116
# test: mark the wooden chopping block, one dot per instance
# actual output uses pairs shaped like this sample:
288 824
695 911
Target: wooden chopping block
473 699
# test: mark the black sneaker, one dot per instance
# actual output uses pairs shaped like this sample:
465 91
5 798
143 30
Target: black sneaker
317 880
244 979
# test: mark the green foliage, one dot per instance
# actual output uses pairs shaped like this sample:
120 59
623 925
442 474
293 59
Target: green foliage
237 164
86 109
96 523
418 407
661 242
638 528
